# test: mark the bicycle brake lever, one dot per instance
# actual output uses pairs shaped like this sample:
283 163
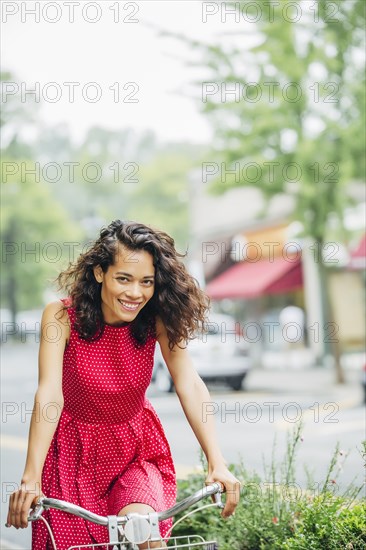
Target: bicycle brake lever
218 500
36 513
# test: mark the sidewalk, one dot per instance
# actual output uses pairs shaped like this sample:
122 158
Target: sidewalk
320 382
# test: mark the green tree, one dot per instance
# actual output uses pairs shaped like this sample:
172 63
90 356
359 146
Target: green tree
36 241
299 113
35 229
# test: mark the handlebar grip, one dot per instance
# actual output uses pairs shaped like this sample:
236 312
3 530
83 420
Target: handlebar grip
34 514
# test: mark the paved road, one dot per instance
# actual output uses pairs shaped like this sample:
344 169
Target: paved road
247 422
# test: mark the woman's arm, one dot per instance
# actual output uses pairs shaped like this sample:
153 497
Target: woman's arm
54 334
194 397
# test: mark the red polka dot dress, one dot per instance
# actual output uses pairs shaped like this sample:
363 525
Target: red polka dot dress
109 448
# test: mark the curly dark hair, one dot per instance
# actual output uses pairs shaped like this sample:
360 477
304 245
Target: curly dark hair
177 298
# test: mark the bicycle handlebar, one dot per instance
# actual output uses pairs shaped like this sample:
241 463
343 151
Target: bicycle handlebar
45 503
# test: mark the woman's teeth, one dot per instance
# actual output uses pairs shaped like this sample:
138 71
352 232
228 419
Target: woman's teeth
127 305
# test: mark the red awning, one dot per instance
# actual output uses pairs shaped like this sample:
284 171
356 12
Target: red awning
358 256
253 279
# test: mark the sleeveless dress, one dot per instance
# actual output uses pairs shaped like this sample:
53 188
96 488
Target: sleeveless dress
109 448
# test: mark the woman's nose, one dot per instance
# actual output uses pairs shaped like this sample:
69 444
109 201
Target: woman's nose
134 291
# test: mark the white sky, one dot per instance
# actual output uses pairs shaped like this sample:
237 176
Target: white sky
107 52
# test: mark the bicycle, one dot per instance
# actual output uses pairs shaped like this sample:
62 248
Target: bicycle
126 532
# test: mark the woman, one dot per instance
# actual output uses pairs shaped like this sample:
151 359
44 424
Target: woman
106 450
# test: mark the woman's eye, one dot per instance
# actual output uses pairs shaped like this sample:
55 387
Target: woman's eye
124 279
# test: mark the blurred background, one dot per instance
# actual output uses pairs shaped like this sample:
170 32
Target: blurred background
238 128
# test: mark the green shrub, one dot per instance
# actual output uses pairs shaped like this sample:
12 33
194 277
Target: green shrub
275 513
326 524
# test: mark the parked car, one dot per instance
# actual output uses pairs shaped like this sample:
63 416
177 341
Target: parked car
220 355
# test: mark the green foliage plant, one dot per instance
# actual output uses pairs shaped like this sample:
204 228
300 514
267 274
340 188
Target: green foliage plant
274 512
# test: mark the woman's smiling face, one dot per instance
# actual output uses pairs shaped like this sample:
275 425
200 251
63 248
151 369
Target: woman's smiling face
127 285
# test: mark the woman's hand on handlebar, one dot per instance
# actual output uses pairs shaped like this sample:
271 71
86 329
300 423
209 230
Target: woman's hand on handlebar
20 503
231 485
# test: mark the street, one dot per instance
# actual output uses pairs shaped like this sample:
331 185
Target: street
273 401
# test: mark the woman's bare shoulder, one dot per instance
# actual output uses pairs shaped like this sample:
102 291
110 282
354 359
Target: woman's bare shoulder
56 307
55 312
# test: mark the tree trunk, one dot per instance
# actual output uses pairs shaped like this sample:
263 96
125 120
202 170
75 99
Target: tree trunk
331 343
